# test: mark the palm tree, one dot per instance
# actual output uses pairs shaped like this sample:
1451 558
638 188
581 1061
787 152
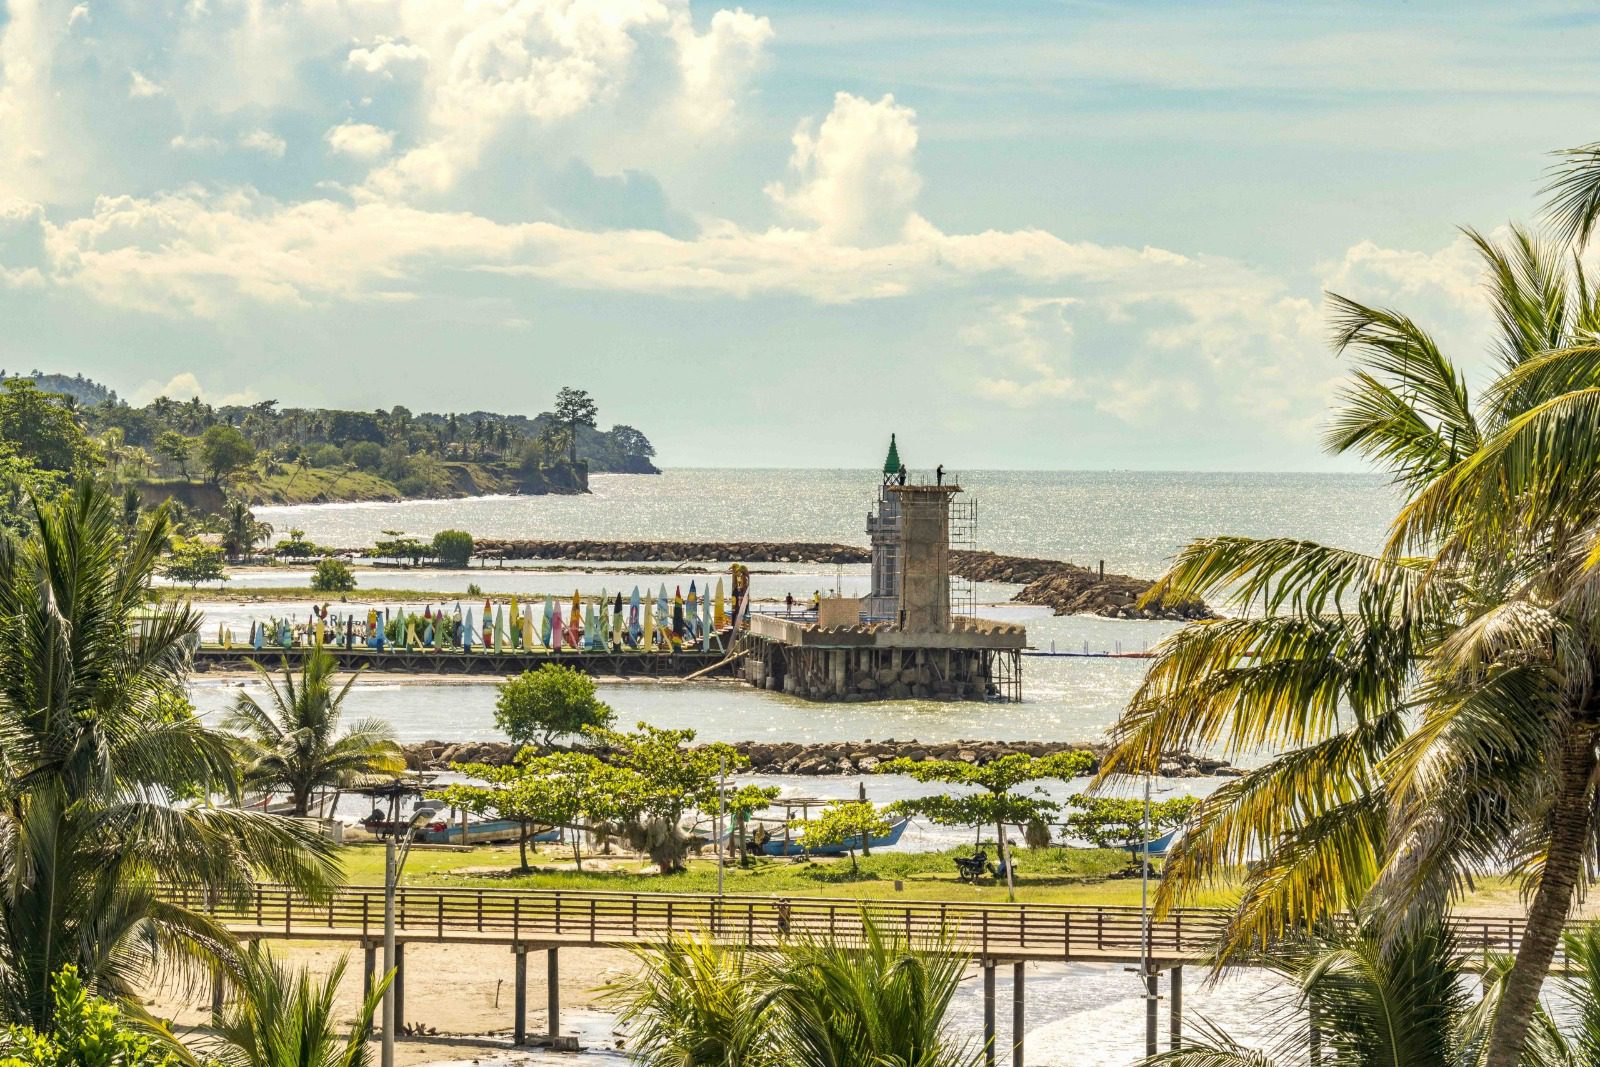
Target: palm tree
873 999
282 1018
294 742
241 530
1433 708
95 742
694 1003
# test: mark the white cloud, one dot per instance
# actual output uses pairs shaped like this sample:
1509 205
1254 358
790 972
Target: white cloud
360 140
858 180
21 243
141 87
184 385
1034 337
387 56
264 141
717 64
78 14
194 143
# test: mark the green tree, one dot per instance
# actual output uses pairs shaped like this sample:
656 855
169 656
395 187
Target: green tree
293 740
92 759
574 408
1119 822
296 546
995 802
453 548
398 547
192 562
224 450
242 531
42 428
573 790
669 778
86 1031
843 822
176 448
742 804
284 1018
1431 707
539 706
333 576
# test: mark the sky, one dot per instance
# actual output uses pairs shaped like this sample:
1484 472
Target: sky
1018 234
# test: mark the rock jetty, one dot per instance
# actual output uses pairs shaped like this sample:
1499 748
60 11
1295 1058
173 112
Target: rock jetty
835 757
1064 588
674 551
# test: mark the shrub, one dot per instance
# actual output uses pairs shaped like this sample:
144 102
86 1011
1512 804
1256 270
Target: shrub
453 547
325 456
193 562
333 576
366 455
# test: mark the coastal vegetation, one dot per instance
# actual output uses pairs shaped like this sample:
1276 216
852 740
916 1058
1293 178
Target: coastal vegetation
259 453
332 576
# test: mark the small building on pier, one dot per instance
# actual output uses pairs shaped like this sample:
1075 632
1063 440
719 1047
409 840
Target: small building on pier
915 634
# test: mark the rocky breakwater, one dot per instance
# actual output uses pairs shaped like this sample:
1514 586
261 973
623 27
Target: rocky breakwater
1067 589
820 758
674 551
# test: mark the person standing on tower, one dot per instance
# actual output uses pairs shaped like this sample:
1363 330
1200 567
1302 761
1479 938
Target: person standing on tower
901 477
938 474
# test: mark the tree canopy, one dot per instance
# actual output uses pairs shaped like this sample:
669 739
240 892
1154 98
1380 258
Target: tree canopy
555 700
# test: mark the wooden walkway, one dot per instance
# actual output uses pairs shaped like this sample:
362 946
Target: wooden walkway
529 920
560 918
611 664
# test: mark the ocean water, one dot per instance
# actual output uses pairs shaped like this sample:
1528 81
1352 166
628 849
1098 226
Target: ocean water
1134 520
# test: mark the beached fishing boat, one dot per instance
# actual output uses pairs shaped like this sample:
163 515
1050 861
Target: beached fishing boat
797 846
480 832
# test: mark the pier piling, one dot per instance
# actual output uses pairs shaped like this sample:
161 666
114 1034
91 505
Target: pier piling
519 1020
988 1013
1018 977
1175 1008
369 967
399 985
553 992
1152 998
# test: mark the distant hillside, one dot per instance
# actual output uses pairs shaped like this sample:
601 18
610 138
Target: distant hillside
85 391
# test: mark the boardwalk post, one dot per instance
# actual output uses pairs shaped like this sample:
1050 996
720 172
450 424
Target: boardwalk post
553 991
1018 977
1314 1037
369 967
519 1022
399 986
1175 1007
1152 995
988 1013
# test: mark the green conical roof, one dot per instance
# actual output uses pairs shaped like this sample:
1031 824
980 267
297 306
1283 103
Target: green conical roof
891 465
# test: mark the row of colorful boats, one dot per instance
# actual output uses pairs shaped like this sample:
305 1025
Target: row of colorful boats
643 622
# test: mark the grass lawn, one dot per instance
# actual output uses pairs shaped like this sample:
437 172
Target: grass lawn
1059 876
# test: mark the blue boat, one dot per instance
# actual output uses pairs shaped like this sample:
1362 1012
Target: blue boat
776 846
1155 849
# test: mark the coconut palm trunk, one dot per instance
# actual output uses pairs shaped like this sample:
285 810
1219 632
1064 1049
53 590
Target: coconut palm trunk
1571 829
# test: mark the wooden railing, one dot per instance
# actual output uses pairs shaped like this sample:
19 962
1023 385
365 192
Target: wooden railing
594 918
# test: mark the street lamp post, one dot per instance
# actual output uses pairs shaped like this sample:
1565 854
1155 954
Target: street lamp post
394 861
